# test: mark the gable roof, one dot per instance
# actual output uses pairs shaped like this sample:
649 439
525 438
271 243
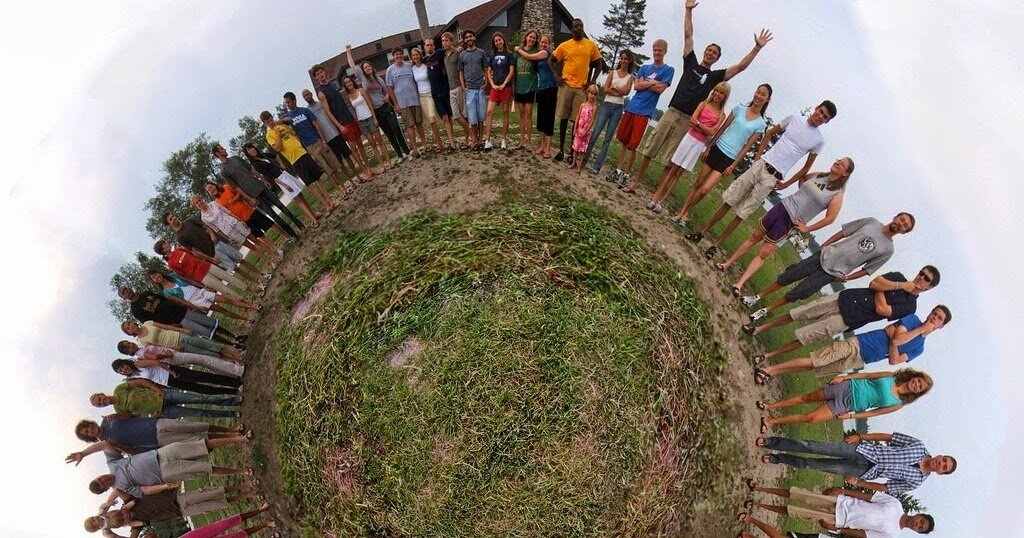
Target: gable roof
476 18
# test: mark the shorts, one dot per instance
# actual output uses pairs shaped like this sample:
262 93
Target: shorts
258 224
718 161
665 137
457 100
838 398
825 319
290 184
352 134
442 105
525 98
181 461
200 325
367 127
631 130
411 116
326 155
818 506
687 152
176 430
201 501
228 257
476 106
776 224
810 275
569 101
748 192
838 357
307 169
501 96
339 147
427 108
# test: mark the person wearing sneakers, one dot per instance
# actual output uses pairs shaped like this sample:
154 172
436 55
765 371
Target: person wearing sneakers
171 357
617 85
202 239
772 532
142 397
581 62
501 71
472 63
864 243
314 136
285 141
337 120
800 137
177 377
651 81
170 505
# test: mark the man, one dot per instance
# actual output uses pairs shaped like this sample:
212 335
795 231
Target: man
861 458
697 81
651 81
142 397
337 120
889 296
456 93
773 532
170 504
853 513
199 268
196 236
472 64
311 135
283 139
403 90
899 342
148 306
240 175
864 243
170 357
440 91
581 62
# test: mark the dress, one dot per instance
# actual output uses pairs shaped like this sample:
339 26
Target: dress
581 133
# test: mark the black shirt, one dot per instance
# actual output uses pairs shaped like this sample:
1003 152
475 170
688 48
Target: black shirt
697 83
268 168
336 102
436 73
194 235
153 307
857 306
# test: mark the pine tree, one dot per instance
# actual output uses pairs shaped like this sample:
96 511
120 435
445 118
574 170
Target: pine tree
626 28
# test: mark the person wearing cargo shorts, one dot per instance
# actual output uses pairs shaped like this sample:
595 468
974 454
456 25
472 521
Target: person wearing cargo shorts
873 514
581 62
456 95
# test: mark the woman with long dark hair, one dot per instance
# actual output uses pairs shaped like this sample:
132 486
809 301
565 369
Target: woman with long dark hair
526 88
500 72
266 165
617 86
547 96
383 108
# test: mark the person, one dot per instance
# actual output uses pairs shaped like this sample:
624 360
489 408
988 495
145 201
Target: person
369 127
705 121
242 177
617 85
267 165
456 95
651 81
865 243
402 87
311 134
743 128
582 125
800 137
143 397
581 62
171 357
851 396
147 306
440 90
237 205
168 505
421 74
772 532
177 377
472 64
526 88
697 81
500 74
889 296
204 242
178 339
222 528
817 192
232 229
383 106
874 514
138 434
283 138
862 458
336 108
900 342
547 95
198 268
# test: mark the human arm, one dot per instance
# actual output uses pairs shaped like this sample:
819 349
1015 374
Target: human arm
863 375
202 256
366 99
853 533
688 27
760 40
319 133
93 448
182 302
873 486
835 237
115 494
879 411
159 488
834 206
882 283
351 60
608 89
330 113
141 382
766 139
655 86
541 54
489 76
175 328
554 72
594 70
859 437
800 173
146 363
510 76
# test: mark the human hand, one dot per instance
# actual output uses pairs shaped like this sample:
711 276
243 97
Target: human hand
842 278
728 170
837 380
690 4
826 525
851 480
800 225
174 485
348 48
852 439
74 457
779 185
342 129
762 39
833 491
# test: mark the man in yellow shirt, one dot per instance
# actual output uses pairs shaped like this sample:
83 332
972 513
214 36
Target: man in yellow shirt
581 62
283 139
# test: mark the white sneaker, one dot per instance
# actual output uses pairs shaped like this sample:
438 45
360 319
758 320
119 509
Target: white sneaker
750 300
758 314
280 251
504 145
488 145
614 175
625 179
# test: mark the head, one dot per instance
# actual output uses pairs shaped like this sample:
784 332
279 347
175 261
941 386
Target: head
658 50
129 327
124 367
915 384
530 38
398 55
162 248
156 277
127 293
447 41
592 92
319 75
367 68
577 29
307 96
720 94
840 172
711 54
218 151
100 400
95 523
289 100
87 430
416 56
498 42
348 84
267 118
199 203
762 96
627 61
902 223
822 114
926 279
428 46
940 316
125 347
171 221
212 189
941 464
921 523
545 42
101 483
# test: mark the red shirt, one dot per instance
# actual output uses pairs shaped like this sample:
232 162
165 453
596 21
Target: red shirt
184 263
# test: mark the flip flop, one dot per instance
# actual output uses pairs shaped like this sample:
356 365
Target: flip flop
748 504
694 237
764 426
760 405
759 359
761 377
751 484
748 329
629 190
720 267
770 459
710 252
736 291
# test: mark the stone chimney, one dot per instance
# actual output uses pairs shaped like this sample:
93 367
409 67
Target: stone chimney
421 16
538 14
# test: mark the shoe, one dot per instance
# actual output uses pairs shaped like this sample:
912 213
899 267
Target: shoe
280 251
614 175
750 300
758 314
625 179
559 157
487 145
748 329
267 276
650 205
504 145
569 159
681 223
657 208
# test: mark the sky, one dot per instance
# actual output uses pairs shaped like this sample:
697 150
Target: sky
927 94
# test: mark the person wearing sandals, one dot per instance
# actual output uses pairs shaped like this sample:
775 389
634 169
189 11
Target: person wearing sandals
818 192
772 532
899 342
314 135
800 137
440 91
147 306
402 88
706 120
266 164
743 128
617 85
456 95
169 505
133 434
285 141
852 396
547 95
223 528
243 177
178 339
205 242
581 62
336 108
177 377
582 128
651 81
143 397
234 230
383 107
241 208
526 84
181 358
421 73
198 296
365 128
862 458
198 268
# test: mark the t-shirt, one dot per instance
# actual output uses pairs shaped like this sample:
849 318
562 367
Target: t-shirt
863 244
182 261
451 68
336 102
375 87
160 337
159 351
291 148
302 122
871 393
576 56
139 432
545 77
133 472
526 73
874 345
437 72
879 518
857 306
137 400
697 83
327 127
422 77
472 63
810 199
645 101
155 374
798 140
401 79
736 135
240 209
157 507
194 236
237 173
501 66
152 307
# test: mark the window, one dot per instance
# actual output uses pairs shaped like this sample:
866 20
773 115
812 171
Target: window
377 46
501 20
407 37
564 29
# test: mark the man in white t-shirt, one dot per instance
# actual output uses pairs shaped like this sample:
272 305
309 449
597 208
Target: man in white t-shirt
853 513
800 137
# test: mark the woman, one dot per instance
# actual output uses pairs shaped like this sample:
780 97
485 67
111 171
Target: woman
617 86
818 192
200 299
526 88
178 339
168 505
547 96
744 127
500 72
139 434
198 268
222 528
419 73
862 395
227 197
177 377
171 357
292 186
383 108
368 127
234 230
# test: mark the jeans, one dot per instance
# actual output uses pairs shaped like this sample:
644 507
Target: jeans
175 400
202 382
843 458
476 106
389 124
267 201
608 118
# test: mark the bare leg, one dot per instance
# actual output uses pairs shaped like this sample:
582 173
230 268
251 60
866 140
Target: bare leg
772 532
791 366
733 224
490 119
755 263
644 163
229 313
821 414
508 115
662 181
300 200
755 237
715 218
673 180
434 130
792 345
807 397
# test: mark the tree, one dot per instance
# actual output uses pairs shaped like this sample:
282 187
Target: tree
253 132
133 275
185 171
911 504
626 28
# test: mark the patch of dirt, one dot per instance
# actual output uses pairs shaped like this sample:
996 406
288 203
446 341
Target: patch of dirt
409 348
316 292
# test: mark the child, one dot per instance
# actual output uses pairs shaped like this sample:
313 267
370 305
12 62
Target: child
581 131
705 121
500 73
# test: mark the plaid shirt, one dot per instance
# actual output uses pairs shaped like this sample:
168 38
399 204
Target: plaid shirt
897 461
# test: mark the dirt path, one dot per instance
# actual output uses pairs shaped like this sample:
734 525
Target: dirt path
467 183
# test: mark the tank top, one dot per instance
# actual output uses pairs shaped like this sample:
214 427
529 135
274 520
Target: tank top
619 83
362 110
422 78
810 199
546 79
707 118
336 102
872 393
